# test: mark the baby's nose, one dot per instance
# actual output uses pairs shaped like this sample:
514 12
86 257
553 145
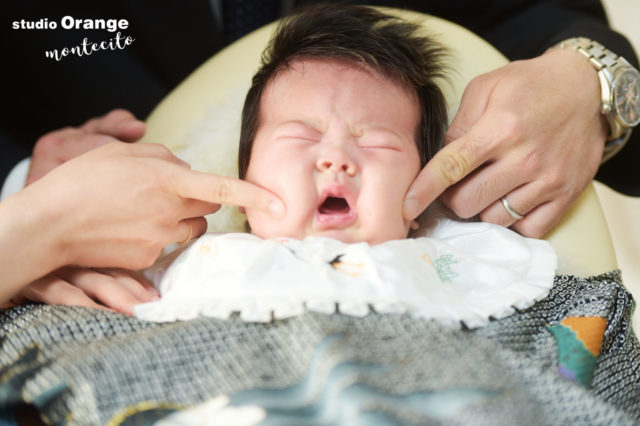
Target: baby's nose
338 160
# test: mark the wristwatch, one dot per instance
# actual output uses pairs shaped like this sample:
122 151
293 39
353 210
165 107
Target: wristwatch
620 85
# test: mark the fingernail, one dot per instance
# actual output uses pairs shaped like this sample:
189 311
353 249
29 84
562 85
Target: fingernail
155 294
276 208
410 208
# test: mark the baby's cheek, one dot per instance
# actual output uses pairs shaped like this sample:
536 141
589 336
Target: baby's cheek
398 226
266 226
256 222
263 224
381 216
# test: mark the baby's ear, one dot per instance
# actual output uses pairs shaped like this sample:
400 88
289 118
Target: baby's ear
414 225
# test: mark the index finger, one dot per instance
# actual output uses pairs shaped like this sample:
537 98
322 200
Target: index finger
225 190
449 166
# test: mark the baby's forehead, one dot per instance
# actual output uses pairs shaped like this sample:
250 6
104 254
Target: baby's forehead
296 85
302 64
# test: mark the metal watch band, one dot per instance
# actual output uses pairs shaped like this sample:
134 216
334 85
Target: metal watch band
612 146
598 55
602 58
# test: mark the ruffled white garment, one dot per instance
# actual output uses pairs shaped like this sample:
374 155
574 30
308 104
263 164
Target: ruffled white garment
461 272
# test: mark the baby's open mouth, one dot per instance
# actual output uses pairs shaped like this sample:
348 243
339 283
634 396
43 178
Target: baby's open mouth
334 205
335 212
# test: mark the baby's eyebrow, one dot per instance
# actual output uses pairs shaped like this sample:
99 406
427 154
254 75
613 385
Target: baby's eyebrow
360 130
313 125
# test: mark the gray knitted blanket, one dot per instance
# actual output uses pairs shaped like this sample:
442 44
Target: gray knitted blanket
572 358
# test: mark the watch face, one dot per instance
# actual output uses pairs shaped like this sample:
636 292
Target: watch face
626 96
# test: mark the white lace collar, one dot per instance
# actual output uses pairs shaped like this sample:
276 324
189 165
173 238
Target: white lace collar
461 272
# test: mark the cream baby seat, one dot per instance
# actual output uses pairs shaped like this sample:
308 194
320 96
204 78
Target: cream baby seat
200 122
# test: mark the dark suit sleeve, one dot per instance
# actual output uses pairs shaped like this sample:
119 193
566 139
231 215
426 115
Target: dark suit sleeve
524 29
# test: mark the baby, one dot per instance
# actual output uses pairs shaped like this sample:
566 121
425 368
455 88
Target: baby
340 118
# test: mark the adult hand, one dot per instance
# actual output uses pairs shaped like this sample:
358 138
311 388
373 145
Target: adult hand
120 204
530 131
107 288
59 146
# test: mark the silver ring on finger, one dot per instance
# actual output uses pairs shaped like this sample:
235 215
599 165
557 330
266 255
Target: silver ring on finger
514 214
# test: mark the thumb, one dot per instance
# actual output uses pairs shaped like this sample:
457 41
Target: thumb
444 169
462 153
449 166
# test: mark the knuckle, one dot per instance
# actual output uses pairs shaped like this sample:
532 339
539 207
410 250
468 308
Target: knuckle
101 139
115 148
90 123
76 291
477 82
531 229
222 192
93 141
454 165
532 162
479 85
145 257
119 113
461 207
455 131
152 255
112 273
537 224
511 126
490 217
51 142
555 182
463 212
160 150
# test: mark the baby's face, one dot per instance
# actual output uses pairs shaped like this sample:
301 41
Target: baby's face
336 143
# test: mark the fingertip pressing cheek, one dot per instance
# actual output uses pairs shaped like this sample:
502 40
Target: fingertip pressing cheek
267 226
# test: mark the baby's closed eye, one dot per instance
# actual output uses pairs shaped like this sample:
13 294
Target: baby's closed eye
298 131
298 138
380 140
